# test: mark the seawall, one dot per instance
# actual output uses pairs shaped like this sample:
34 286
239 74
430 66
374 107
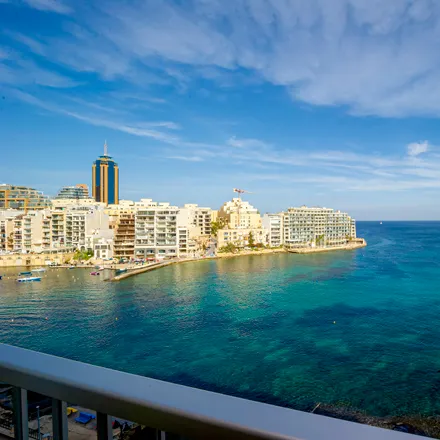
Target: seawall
359 243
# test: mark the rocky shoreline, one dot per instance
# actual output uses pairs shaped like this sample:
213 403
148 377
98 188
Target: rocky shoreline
428 426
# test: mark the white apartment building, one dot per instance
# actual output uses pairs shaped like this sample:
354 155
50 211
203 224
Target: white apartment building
273 224
82 222
31 232
317 227
156 231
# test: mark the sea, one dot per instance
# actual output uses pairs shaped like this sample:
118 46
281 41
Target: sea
354 328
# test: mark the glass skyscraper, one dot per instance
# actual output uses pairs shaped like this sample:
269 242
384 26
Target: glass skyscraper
105 179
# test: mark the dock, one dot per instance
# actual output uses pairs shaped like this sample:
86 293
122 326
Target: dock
153 266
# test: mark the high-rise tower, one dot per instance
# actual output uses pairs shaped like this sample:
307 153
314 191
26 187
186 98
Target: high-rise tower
105 179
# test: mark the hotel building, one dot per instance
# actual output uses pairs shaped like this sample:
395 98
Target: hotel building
317 227
105 179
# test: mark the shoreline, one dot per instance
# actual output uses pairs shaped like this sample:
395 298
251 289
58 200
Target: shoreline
422 425
360 243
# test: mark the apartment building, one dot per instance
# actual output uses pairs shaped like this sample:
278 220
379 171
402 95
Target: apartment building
241 237
239 214
317 227
82 222
80 191
199 217
29 230
273 224
124 235
7 229
156 231
22 197
58 229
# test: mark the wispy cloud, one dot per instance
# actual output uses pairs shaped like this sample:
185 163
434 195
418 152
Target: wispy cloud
246 143
133 129
49 5
372 57
187 158
417 148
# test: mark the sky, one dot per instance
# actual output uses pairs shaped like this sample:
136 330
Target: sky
300 102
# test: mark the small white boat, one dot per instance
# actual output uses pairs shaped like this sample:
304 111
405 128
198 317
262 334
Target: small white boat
28 279
41 269
71 267
380 222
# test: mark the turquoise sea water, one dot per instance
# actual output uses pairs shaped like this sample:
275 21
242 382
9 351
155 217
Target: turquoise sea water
360 328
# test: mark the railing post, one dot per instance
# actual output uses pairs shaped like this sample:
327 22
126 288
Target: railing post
59 419
21 429
104 426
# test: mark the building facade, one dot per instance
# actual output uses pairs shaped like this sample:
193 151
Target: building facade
239 214
241 237
156 232
22 197
105 179
80 191
317 227
273 224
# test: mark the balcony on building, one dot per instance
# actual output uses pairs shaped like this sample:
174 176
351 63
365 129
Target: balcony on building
162 410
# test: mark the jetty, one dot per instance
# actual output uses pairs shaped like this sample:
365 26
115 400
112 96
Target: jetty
153 266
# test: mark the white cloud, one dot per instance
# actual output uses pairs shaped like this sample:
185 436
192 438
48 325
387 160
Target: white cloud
416 148
246 143
187 158
49 5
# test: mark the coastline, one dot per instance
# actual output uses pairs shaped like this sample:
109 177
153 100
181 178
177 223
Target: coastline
422 425
359 243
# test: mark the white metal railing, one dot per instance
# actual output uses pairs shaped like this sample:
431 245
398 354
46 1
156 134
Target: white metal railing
164 407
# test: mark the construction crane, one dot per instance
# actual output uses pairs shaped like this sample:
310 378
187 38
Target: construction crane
239 192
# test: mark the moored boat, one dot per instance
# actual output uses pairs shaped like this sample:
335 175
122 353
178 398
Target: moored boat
94 273
25 273
28 279
41 269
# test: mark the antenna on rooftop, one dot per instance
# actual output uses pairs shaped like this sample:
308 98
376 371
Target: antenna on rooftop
105 148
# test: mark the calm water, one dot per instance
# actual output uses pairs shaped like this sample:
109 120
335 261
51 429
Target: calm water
359 328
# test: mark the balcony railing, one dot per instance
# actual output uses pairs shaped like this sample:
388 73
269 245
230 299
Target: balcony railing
164 407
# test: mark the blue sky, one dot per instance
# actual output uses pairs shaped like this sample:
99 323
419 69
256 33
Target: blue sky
330 103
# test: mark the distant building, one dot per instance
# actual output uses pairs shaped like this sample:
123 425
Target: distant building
273 223
22 197
198 216
76 192
241 237
317 227
239 214
105 179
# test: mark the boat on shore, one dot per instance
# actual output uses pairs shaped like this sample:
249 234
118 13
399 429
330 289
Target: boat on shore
28 279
